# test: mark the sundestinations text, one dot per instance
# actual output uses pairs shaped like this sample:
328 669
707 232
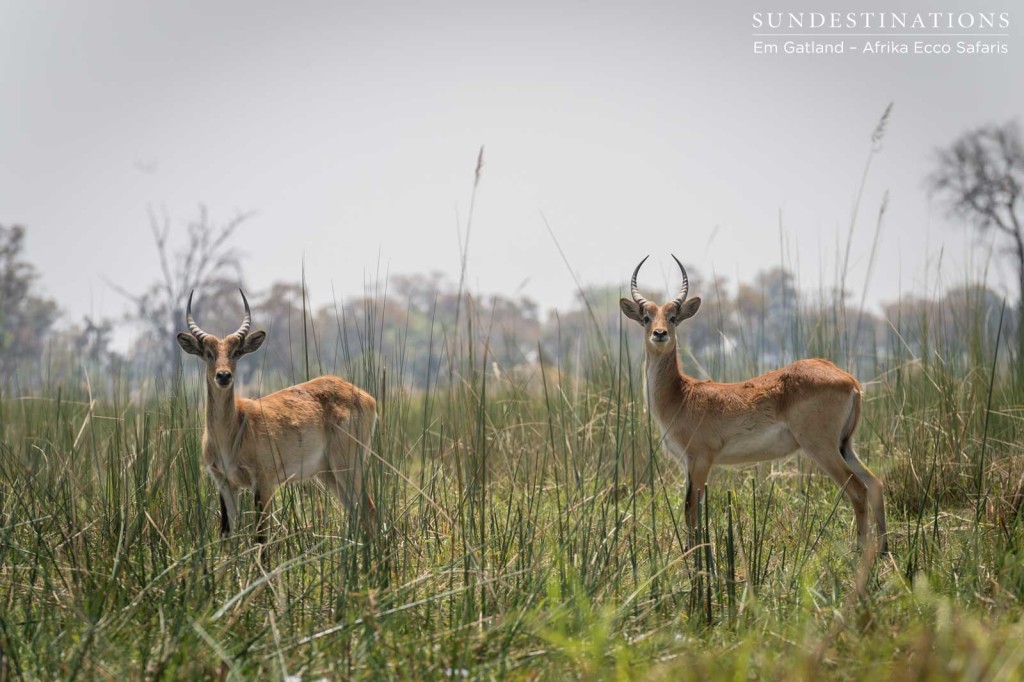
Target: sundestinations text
880 20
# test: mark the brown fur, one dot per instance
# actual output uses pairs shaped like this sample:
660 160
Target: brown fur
319 428
810 405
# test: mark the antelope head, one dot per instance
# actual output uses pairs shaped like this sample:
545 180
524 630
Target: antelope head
220 355
660 321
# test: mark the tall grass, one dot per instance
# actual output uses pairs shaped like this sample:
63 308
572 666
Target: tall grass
531 528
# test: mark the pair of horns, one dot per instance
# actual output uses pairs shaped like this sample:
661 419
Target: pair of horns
200 334
678 300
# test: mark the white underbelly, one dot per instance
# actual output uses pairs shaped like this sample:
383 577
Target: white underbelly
759 445
304 461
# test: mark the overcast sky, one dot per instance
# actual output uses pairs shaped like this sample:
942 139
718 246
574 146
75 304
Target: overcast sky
351 130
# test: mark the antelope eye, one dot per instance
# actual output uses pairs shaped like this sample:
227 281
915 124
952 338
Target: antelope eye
209 354
672 319
647 319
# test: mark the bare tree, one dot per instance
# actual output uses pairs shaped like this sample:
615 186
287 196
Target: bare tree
205 262
94 340
980 178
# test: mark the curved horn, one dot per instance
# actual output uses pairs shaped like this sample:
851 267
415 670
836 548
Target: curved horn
685 288
247 320
192 326
640 300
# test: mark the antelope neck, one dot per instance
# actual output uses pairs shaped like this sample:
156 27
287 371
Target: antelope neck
221 416
664 374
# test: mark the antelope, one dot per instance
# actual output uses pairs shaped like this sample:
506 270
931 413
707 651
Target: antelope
319 428
810 405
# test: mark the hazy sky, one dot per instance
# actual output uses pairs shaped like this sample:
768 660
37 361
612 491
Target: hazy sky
352 129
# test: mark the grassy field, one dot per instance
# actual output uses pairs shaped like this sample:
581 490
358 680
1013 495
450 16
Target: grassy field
532 531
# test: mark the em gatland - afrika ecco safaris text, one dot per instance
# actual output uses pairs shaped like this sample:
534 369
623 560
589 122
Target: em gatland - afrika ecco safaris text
872 47
881 33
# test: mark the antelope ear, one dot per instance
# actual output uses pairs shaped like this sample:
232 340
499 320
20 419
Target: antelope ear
252 342
189 344
631 309
689 309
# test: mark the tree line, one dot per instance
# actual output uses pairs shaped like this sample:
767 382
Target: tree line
420 323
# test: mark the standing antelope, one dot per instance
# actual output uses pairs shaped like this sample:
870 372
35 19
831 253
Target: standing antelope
320 428
809 404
